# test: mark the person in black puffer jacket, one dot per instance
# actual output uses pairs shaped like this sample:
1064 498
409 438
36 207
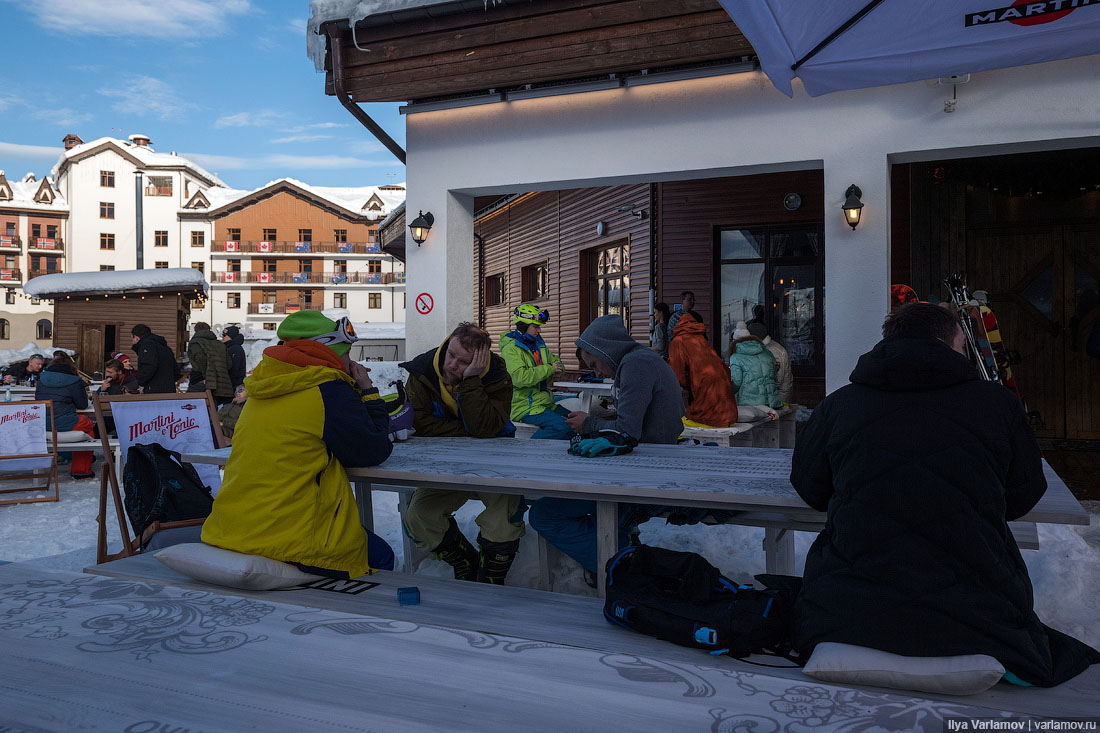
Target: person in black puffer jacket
920 465
234 340
156 362
60 383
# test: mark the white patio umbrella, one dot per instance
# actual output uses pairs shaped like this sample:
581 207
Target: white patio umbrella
851 44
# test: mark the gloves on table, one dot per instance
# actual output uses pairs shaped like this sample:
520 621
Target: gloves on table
603 443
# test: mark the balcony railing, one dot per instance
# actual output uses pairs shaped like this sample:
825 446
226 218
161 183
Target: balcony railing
34 272
10 275
309 278
10 241
46 244
158 190
281 308
295 248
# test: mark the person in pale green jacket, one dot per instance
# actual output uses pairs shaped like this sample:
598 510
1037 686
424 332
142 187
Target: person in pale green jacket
752 370
533 368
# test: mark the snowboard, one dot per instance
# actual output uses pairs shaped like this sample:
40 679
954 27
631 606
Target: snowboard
1004 358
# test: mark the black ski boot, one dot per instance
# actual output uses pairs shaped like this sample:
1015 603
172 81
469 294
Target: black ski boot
456 551
496 559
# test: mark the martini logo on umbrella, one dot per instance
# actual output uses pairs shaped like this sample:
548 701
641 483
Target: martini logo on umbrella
1026 13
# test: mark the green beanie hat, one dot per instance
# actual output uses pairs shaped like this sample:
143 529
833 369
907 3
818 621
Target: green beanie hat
307 324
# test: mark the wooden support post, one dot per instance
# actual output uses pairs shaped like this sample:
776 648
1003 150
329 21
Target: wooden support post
547 555
787 427
607 540
779 550
365 503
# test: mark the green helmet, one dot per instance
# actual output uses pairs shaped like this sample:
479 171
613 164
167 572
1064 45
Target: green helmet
528 313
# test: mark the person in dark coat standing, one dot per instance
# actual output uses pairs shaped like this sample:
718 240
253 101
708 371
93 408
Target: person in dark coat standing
156 362
234 349
60 383
920 465
209 364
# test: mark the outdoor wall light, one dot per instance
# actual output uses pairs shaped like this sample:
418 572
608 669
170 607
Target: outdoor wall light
420 227
853 207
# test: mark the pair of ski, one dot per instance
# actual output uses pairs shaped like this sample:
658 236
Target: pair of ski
983 336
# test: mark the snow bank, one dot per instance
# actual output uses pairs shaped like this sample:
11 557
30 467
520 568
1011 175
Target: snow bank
7 356
116 281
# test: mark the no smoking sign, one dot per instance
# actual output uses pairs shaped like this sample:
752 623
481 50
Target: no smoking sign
424 304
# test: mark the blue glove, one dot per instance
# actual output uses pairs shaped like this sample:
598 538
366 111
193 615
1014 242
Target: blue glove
604 443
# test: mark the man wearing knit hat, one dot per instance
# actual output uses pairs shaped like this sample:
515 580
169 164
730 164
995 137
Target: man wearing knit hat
311 412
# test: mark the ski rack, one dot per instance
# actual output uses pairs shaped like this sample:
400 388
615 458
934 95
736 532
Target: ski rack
961 299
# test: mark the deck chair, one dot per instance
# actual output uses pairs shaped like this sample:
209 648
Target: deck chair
25 452
179 422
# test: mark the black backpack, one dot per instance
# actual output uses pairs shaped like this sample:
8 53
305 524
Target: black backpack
159 487
682 598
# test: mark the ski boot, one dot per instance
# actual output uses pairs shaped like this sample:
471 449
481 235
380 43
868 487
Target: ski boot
456 551
496 559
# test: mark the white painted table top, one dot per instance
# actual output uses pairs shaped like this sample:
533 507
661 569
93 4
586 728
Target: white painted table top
603 388
718 477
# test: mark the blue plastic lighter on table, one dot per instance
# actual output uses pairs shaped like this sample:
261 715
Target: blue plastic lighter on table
409 596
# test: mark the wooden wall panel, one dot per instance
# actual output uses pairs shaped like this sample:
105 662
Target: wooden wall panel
287 213
159 314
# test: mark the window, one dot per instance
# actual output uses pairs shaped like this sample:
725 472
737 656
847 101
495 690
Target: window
305 265
36 230
159 186
9 296
106 210
107 179
339 235
51 264
268 265
609 282
106 241
43 329
106 268
535 282
160 238
198 239
494 290
268 296
232 265
340 267
269 326
339 300
270 235
9 261
305 235
775 274
374 266
374 300
233 300
305 297
161 266
372 236
233 235
5 329
200 266
51 231
9 228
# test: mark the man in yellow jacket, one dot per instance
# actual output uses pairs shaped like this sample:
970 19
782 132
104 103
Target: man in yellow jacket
311 412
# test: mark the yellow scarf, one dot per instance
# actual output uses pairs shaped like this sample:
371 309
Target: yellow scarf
447 391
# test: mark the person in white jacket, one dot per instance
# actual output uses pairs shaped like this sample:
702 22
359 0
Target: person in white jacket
784 381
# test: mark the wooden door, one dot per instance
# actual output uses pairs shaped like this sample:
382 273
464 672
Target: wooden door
1082 299
90 356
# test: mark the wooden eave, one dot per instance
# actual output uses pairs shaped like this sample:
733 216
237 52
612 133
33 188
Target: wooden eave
197 201
44 194
184 292
421 54
265 193
5 189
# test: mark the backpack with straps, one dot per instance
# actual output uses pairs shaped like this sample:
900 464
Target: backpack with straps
159 487
682 598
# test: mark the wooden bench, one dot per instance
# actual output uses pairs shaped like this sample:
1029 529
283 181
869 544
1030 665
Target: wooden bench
536 617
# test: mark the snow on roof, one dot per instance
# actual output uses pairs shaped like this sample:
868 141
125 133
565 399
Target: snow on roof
322 11
22 197
146 154
118 281
352 199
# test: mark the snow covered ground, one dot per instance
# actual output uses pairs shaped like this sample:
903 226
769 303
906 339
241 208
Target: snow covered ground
1065 571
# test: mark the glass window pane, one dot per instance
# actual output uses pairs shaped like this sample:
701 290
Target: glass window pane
1040 293
742 289
795 243
793 288
741 244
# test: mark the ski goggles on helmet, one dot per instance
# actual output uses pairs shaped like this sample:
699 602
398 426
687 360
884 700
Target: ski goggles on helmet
344 333
530 314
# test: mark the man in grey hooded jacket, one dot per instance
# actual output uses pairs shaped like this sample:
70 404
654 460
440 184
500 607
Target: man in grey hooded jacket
649 407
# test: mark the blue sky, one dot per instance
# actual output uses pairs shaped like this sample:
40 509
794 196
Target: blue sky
225 82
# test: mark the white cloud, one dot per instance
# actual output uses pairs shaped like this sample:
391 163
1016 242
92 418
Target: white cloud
282 162
147 96
64 116
259 118
314 126
301 138
297 25
366 147
175 20
30 151
9 100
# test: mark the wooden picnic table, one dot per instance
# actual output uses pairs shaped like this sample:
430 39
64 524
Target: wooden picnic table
754 481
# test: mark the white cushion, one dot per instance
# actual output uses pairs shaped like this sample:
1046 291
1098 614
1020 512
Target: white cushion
755 413
225 567
857 665
573 404
72 436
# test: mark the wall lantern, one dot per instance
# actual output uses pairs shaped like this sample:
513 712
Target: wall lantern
853 207
420 227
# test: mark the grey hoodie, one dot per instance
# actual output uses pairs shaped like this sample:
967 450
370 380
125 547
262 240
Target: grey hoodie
648 400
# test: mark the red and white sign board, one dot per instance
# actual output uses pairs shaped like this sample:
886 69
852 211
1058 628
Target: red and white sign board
424 304
23 431
179 425
263 246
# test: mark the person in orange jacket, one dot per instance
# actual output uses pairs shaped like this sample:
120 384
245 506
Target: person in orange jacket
702 375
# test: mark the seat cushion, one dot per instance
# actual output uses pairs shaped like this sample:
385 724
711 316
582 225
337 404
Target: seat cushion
857 665
72 436
224 567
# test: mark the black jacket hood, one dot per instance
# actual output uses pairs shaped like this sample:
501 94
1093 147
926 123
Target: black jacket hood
912 365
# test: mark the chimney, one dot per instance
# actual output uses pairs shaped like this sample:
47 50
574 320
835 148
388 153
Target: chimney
142 141
71 141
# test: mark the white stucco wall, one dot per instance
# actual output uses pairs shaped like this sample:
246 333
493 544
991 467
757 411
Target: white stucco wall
731 125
